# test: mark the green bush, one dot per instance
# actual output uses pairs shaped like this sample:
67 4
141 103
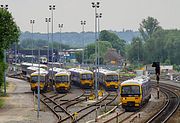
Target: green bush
176 67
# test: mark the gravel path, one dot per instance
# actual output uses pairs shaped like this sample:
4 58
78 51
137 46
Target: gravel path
19 107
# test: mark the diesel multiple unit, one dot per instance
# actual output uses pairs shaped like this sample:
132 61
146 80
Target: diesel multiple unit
135 92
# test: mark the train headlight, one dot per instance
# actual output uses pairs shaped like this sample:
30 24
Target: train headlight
123 98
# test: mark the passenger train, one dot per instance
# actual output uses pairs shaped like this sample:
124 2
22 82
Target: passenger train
25 65
108 79
62 81
135 92
82 78
31 70
53 71
44 81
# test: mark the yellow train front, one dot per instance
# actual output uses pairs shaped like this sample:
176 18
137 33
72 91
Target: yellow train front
62 81
43 81
82 78
135 93
108 79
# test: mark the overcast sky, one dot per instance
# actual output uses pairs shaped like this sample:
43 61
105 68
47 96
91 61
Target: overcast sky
117 14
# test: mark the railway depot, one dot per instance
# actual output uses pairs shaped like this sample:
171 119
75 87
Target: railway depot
60 69
79 103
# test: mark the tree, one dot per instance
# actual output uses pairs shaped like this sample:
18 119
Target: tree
148 27
79 56
154 47
158 45
90 51
115 41
9 33
172 46
135 51
103 48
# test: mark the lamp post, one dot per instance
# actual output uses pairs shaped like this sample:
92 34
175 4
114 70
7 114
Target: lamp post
138 52
95 5
38 82
6 8
83 23
52 8
47 20
98 16
60 46
15 52
32 23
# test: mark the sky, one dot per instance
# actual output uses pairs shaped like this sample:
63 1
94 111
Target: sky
116 14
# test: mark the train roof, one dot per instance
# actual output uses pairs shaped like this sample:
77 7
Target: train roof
79 70
30 64
107 72
56 69
137 80
26 63
35 68
63 73
42 72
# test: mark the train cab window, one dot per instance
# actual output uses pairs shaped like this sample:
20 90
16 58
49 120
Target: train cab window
86 76
110 78
62 79
34 79
130 90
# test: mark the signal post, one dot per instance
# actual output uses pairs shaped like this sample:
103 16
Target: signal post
157 69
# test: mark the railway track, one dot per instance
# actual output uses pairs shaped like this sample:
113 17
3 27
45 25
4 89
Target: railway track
52 102
46 102
59 106
122 116
62 111
172 104
84 112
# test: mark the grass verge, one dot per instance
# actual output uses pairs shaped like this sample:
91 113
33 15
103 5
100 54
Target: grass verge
1 103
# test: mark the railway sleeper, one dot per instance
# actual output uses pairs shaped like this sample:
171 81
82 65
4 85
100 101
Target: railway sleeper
112 95
173 97
47 101
109 98
106 105
87 95
58 109
64 100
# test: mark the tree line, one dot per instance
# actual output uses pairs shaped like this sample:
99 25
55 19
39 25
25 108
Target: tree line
107 40
9 33
28 44
155 44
